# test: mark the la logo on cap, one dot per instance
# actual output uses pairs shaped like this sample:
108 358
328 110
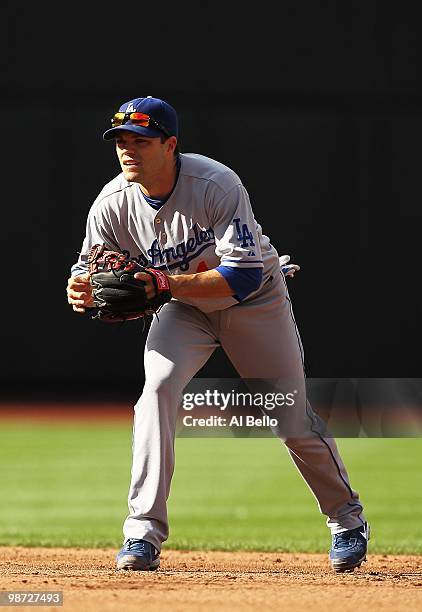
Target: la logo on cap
130 108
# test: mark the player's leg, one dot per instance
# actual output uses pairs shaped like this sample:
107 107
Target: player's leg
262 341
178 345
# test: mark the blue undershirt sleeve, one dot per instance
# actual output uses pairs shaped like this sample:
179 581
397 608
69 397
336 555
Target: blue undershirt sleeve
243 281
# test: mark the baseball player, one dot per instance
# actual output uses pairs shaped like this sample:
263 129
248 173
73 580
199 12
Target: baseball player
190 217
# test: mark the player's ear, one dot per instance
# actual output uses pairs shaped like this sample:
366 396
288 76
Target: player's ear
171 144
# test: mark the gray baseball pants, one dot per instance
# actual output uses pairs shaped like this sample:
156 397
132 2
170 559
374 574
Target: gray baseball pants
261 340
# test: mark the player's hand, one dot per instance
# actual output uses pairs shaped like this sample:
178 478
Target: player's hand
149 284
79 293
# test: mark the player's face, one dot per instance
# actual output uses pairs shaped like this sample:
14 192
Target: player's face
141 158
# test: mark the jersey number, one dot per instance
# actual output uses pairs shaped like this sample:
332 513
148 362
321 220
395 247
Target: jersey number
202 267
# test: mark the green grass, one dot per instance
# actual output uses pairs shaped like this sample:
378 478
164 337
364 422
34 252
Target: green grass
66 485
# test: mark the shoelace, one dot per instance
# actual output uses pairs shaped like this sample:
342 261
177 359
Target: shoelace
133 542
342 540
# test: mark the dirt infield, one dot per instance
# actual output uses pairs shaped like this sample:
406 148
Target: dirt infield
213 581
51 412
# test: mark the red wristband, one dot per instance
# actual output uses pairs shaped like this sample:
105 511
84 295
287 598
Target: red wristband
161 278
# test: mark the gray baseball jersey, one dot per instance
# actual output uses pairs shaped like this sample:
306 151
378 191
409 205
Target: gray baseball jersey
207 221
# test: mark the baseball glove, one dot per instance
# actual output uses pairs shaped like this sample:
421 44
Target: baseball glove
117 295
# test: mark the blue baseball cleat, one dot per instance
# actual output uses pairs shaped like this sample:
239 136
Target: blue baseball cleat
349 548
138 555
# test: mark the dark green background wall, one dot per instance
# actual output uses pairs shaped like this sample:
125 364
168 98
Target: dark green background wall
318 109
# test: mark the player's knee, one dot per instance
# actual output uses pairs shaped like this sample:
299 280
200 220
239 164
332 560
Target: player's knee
163 388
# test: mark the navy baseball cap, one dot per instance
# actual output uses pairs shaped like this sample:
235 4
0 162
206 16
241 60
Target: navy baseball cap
163 118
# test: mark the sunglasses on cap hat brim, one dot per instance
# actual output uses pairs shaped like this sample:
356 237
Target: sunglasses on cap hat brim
138 119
